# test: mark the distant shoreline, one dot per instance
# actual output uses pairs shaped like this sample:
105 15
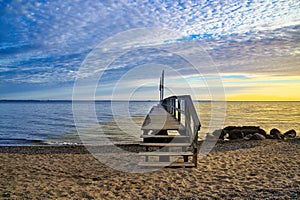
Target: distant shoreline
37 101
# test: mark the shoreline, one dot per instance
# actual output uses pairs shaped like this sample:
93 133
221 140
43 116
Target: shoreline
220 146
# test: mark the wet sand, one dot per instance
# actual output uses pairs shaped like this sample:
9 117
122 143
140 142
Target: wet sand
233 170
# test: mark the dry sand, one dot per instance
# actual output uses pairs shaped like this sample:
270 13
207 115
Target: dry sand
237 170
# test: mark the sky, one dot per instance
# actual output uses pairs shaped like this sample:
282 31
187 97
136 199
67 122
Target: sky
88 49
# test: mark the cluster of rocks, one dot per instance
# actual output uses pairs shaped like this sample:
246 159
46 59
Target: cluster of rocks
250 133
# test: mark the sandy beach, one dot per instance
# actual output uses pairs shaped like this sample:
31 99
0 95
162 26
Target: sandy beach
233 170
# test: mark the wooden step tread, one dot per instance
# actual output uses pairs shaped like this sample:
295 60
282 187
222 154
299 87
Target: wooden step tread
160 153
165 136
167 164
166 144
163 126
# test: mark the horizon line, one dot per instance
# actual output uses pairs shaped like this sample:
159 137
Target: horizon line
145 100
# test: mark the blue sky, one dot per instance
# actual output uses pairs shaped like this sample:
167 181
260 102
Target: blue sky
251 47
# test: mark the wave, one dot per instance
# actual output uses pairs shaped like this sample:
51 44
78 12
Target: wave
20 141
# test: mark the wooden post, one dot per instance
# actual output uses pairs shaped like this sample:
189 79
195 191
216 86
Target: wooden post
146 157
179 111
187 118
195 156
174 107
164 158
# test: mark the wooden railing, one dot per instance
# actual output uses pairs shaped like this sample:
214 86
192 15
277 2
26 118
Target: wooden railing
182 108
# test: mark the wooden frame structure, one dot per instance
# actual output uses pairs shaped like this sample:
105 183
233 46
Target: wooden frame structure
173 114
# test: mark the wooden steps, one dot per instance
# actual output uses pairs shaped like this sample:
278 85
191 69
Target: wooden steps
162 153
165 136
167 164
165 144
166 150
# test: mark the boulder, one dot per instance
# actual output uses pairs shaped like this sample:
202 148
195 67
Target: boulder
270 136
258 136
248 137
262 132
236 134
222 134
290 134
239 132
217 133
276 134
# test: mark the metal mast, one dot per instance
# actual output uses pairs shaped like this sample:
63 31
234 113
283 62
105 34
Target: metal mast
161 86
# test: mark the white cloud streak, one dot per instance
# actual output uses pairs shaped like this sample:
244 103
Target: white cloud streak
47 42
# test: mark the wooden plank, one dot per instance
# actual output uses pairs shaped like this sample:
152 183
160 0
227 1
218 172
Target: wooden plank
159 119
167 164
160 153
165 144
165 136
165 139
159 127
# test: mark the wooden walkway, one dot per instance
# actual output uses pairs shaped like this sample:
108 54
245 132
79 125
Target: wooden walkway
159 119
164 148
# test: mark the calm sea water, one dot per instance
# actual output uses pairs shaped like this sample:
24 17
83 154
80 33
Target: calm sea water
29 123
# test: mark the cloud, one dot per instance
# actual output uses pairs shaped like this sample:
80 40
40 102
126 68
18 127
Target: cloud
273 53
46 42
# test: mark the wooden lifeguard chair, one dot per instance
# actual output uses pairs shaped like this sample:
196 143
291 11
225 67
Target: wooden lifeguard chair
170 132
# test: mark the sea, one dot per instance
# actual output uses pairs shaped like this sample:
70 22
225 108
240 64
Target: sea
56 122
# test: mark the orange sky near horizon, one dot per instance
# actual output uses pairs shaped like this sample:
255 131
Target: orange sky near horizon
263 88
259 97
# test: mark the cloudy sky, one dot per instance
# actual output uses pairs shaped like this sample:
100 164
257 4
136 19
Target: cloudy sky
234 50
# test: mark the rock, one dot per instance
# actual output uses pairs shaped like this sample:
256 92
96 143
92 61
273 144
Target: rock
248 137
6 194
236 134
253 174
255 136
262 132
290 134
276 134
223 134
218 133
239 132
258 136
269 137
